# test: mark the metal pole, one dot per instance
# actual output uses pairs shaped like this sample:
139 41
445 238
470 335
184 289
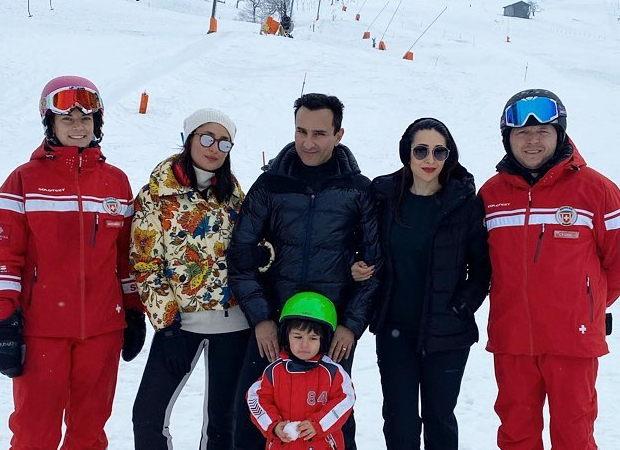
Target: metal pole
362 6
430 25
303 85
317 10
29 15
291 14
373 21
51 8
388 25
213 21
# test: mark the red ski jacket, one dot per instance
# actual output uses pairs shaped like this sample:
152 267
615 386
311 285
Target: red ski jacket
65 220
318 390
555 255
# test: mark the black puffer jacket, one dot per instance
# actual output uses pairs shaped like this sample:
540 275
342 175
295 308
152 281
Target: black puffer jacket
459 268
315 234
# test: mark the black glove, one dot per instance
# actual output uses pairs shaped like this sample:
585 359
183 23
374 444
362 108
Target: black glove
135 334
247 257
175 350
12 348
462 311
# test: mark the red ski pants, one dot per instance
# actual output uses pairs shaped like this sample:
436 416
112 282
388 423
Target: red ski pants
568 383
73 377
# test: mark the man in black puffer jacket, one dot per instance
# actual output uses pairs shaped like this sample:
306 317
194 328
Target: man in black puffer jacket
314 206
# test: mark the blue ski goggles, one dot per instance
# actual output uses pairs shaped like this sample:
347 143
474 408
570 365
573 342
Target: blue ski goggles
543 109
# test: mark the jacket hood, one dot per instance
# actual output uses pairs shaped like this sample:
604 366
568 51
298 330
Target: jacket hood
284 163
169 179
565 154
461 183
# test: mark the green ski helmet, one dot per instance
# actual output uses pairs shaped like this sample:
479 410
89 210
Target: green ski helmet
313 307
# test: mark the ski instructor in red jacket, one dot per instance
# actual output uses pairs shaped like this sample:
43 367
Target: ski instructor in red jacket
65 291
554 242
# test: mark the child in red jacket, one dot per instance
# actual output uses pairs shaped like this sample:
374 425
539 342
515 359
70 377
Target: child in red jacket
303 398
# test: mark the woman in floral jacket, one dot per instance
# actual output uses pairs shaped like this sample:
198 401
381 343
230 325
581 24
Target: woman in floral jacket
180 233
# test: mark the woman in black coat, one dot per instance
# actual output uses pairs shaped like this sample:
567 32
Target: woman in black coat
436 275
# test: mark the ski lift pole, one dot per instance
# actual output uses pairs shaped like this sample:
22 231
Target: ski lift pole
303 85
381 43
427 28
213 20
367 32
357 16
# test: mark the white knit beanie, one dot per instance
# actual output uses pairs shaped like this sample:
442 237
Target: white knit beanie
207 115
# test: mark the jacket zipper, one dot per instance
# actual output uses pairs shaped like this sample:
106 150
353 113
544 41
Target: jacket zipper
525 281
591 297
307 242
82 250
95 229
539 243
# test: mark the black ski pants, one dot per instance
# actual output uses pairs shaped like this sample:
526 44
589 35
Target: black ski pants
160 388
247 436
409 379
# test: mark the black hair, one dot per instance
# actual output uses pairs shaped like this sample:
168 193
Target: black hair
224 185
314 102
48 124
305 325
425 123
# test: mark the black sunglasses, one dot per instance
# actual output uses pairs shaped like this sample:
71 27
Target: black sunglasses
206 140
440 153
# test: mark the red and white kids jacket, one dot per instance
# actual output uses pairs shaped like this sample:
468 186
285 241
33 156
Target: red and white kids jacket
318 390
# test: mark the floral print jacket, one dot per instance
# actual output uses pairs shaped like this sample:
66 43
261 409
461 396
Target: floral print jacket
178 245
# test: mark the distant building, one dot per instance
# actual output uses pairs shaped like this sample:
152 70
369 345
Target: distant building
519 9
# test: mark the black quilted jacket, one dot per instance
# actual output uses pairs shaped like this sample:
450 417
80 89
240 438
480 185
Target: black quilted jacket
459 267
315 235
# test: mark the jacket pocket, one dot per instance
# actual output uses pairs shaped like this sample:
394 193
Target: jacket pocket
539 243
590 298
30 286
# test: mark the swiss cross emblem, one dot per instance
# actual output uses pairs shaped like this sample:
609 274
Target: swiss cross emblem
566 215
111 206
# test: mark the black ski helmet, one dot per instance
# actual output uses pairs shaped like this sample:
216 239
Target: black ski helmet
559 123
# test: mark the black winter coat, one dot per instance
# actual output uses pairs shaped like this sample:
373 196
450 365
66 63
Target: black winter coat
315 235
459 267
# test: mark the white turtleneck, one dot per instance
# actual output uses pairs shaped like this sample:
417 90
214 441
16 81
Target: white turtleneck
203 178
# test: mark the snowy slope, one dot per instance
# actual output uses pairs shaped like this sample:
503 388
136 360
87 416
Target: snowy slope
463 72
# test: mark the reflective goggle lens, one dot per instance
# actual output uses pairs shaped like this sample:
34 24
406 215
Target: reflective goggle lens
440 153
543 109
206 140
63 101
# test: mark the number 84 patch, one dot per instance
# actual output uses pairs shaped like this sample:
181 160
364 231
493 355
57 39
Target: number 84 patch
313 400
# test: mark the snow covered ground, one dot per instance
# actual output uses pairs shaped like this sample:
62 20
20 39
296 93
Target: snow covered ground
463 72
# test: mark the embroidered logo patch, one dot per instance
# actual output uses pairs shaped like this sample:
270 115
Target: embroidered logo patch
111 206
566 215
5 234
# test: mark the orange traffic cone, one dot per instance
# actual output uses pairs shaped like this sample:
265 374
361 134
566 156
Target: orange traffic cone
366 35
381 45
409 56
